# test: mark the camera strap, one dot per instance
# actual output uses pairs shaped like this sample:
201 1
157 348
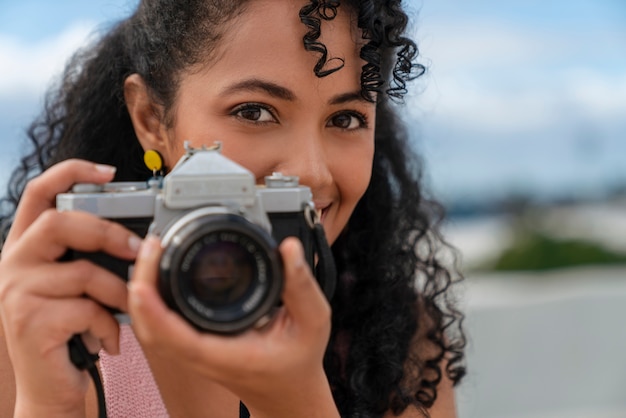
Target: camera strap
325 271
84 360
243 411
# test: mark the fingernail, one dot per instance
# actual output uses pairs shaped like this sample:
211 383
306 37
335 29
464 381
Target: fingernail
298 254
105 168
147 247
135 299
134 243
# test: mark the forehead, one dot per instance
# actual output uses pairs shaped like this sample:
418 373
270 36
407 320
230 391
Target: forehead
267 39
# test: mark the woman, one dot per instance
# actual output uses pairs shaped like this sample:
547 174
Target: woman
298 87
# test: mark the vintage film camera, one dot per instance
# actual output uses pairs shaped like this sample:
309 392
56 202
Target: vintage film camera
220 268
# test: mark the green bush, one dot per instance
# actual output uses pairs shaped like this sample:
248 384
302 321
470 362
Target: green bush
533 250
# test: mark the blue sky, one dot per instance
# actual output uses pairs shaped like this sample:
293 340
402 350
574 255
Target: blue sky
520 95
523 96
33 20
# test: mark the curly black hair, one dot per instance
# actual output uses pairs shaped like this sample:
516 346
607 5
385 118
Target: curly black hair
395 328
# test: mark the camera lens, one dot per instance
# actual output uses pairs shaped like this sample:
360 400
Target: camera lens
221 272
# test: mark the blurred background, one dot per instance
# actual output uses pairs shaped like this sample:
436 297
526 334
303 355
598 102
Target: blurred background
521 120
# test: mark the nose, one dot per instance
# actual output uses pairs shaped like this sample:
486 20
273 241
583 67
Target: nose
309 159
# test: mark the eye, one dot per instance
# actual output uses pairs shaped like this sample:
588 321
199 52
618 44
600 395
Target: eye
348 121
254 112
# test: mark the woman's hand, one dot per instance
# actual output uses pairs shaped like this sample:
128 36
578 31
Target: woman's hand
276 370
43 302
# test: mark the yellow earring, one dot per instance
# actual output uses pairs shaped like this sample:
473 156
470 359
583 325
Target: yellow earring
154 161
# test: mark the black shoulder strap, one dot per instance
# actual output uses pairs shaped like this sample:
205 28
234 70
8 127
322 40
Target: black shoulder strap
326 271
243 411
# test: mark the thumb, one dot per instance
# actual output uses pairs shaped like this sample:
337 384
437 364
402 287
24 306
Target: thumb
302 296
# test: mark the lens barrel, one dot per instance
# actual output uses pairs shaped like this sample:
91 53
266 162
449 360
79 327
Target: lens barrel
221 272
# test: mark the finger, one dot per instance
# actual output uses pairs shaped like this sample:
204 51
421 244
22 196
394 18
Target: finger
153 322
146 268
302 296
78 278
60 319
145 305
40 193
92 344
54 232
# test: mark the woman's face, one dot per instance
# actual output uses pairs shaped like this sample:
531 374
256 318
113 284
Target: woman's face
260 98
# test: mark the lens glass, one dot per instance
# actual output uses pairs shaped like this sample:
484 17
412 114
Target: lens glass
221 274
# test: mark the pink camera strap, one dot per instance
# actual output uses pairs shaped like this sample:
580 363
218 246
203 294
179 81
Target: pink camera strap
129 386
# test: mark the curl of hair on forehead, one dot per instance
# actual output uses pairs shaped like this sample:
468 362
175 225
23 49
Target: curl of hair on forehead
312 15
389 55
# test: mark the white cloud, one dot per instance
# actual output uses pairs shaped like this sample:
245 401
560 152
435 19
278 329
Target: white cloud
600 96
490 78
561 97
26 69
508 106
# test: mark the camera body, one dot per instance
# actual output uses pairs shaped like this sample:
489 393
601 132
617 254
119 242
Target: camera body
220 267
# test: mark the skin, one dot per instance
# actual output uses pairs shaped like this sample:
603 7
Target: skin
269 118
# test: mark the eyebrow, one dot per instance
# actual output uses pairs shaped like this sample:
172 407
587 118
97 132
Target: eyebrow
355 96
256 84
280 92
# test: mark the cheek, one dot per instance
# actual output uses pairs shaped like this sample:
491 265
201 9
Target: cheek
354 186
352 179
260 160
174 146
195 125
356 174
